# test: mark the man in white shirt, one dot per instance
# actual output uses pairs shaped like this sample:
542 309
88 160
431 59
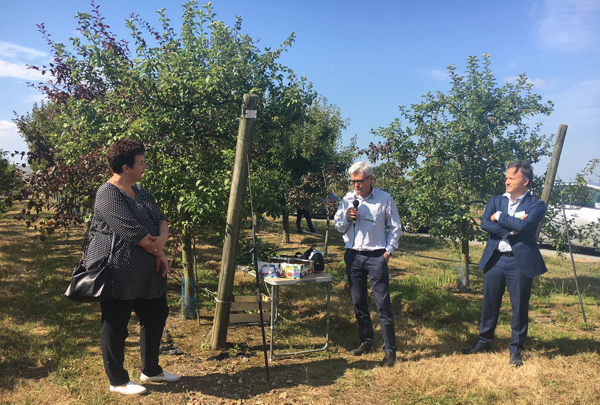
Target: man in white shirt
511 259
369 220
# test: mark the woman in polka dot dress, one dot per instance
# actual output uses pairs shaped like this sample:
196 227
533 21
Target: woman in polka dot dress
139 266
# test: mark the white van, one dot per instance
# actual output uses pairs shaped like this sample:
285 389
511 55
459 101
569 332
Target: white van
584 210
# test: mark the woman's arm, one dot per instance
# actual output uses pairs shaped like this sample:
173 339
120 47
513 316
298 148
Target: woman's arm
157 244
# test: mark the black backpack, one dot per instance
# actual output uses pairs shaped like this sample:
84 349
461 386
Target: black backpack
314 255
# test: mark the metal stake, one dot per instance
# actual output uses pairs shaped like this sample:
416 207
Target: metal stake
562 202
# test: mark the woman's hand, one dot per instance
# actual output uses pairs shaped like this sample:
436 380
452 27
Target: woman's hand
157 245
162 264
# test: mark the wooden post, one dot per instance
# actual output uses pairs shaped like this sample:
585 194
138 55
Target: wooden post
552 168
239 181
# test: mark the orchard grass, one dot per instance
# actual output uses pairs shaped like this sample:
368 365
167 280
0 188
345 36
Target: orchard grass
49 346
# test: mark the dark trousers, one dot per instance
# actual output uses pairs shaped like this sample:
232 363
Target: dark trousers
115 318
359 265
306 213
502 273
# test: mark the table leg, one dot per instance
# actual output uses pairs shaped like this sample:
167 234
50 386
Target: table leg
274 299
328 315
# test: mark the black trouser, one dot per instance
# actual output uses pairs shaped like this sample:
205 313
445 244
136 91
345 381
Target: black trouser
359 265
306 213
115 318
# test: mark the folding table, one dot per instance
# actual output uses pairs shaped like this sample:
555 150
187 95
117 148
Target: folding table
275 283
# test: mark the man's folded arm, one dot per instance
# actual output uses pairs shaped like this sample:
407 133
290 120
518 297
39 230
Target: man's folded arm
534 217
490 226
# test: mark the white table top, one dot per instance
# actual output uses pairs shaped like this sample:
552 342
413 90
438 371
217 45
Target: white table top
311 278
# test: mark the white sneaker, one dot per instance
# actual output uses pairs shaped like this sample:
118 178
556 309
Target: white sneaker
166 377
130 388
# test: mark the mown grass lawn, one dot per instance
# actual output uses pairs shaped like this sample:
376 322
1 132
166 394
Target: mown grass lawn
49 346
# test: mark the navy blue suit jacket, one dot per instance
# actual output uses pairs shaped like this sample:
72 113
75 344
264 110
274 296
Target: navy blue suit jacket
524 244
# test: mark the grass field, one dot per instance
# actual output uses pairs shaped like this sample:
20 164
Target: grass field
49 346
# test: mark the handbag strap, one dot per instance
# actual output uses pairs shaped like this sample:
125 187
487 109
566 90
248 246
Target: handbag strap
112 246
86 241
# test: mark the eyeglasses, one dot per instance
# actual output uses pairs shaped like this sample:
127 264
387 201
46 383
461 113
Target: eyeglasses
358 181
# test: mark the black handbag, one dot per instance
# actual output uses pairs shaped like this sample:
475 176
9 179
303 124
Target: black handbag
94 284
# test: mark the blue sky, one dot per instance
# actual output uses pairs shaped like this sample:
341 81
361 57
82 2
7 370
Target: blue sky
368 58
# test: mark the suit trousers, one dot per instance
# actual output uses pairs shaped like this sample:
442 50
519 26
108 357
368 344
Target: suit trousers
152 314
359 265
503 273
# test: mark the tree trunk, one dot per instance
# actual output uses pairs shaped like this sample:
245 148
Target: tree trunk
188 289
286 226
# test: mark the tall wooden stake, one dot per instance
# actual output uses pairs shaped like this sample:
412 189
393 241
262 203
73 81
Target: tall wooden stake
552 168
239 180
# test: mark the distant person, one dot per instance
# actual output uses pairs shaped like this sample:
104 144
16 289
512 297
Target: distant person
369 220
511 259
303 212
139 266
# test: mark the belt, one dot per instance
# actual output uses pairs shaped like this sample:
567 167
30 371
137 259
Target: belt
370 253
509 254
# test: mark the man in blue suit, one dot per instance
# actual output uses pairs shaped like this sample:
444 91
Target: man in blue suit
511 258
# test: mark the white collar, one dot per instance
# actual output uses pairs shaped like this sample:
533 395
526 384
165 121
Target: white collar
507 195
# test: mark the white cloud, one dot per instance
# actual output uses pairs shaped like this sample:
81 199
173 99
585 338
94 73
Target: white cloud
18 71
14 60
567 25
10 140
437 74
538 84
13 51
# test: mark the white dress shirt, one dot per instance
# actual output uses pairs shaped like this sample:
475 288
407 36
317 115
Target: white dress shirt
377 225
503 245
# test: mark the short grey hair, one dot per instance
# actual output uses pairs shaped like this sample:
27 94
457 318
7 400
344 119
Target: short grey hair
361 167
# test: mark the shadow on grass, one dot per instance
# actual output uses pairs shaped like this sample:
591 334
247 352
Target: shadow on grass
251 382
563 346
589 286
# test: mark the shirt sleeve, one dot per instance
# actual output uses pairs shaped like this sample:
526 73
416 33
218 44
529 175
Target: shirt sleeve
111 206
340 220
394 227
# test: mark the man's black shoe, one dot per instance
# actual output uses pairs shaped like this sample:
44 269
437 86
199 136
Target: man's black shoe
389 360
515 360
478 348
362 349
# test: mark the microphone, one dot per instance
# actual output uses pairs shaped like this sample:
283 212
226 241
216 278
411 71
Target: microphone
355 203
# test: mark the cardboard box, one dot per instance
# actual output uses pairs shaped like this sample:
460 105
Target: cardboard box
267 269
293 270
